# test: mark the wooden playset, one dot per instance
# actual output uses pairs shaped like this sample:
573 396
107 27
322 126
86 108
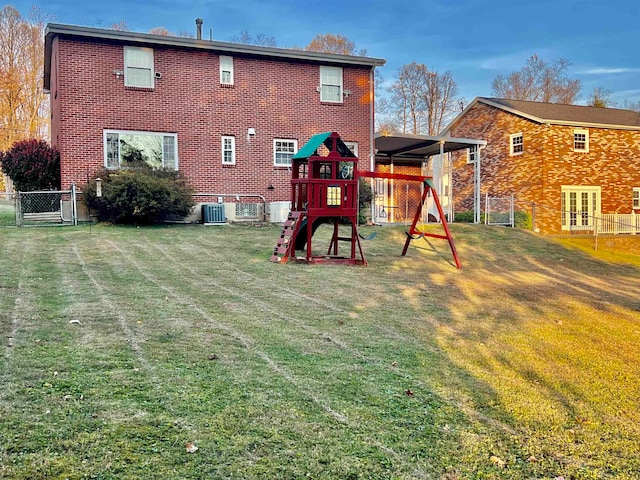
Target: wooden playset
324 190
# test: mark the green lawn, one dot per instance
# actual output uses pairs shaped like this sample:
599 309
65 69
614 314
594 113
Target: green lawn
124 346
7 215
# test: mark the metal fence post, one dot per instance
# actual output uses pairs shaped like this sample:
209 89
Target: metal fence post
18 209
74 206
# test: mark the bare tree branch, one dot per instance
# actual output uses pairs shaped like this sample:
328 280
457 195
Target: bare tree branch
334 43
538 81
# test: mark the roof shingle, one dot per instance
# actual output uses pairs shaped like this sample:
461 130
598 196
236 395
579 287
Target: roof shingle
559 113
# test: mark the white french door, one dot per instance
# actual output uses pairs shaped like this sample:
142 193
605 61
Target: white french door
580 204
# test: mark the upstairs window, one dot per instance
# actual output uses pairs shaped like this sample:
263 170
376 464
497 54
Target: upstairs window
226 70
228 150
283 151
138 67
472 154
636 198
331 84
127 149
353 146
516 144
581 140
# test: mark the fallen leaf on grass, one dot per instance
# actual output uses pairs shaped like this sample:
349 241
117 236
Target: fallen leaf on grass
409 393
191 448
498 461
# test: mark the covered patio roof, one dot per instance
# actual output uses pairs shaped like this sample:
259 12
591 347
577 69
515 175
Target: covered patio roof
414 148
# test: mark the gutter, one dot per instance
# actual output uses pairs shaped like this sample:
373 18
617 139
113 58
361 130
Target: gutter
134 38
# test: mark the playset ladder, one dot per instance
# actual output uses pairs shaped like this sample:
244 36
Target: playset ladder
285 246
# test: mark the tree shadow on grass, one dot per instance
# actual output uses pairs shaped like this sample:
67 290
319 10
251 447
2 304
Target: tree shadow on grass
536 345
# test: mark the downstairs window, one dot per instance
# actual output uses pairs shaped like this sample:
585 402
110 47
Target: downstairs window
128 149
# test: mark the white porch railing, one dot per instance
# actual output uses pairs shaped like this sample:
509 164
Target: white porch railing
614 223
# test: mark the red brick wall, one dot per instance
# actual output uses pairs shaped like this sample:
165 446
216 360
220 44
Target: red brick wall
405 196
54 101
277 99
548 162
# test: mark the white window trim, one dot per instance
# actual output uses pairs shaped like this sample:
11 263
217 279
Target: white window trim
136 132
635 198
353 146
340 85
233 149
127 82
472 154
586 140
512 137
592 191
226 61
295 150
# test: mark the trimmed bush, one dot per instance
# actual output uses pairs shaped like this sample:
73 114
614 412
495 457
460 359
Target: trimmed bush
140 196
32 165
523 220
464 217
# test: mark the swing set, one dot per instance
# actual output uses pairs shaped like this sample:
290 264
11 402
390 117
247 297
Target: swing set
414 232
324 190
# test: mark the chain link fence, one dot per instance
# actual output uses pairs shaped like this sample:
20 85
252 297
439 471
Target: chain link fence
42 208
7 209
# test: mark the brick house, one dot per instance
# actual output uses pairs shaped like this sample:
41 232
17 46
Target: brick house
229 116
567 163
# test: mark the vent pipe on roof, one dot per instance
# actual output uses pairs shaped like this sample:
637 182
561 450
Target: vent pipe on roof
199 23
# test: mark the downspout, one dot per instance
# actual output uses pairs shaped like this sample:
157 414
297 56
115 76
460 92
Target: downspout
372 153
477 188
441 179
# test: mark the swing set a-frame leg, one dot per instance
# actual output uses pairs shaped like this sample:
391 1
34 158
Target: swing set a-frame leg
428 187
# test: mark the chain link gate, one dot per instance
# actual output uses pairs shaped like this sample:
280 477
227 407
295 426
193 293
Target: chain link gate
46 208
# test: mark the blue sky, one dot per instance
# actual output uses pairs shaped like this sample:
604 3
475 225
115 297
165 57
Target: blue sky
475 39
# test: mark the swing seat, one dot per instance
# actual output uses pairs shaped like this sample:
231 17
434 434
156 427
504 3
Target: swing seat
370 237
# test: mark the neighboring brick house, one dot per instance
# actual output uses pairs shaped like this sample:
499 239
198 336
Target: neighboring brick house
229 116
573 162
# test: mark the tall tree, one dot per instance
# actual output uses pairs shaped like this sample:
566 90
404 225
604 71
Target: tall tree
23 104
422 100
538 81
629 105
406 97
121 26
161 31
438 99
261 39
599 98
333 43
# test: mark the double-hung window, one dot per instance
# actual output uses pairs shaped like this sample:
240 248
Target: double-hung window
331 84
516 144
226 70
283 151
129 149
228 150
353 146
636 198
472 154
581 140
138 67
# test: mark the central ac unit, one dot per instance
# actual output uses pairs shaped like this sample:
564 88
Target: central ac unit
213 214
